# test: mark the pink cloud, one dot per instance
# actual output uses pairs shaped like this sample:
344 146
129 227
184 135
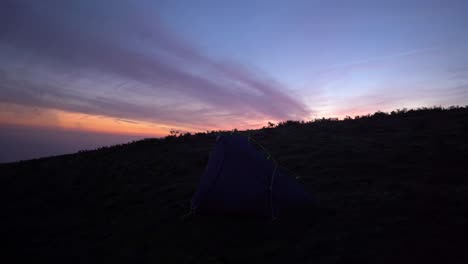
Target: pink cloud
142 52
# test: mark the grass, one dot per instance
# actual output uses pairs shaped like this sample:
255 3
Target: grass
390 188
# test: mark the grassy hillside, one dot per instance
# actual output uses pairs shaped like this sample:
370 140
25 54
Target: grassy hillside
389 188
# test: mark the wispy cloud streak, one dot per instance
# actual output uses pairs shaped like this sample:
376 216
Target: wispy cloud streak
377 59
115 58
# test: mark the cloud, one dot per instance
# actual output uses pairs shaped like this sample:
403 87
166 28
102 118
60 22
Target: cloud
116 58
372 60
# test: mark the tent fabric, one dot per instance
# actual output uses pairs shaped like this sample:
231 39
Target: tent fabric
239 179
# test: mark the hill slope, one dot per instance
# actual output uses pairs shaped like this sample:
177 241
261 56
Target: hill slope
389 188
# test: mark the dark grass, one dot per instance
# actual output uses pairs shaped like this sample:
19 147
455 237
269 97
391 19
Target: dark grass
388 189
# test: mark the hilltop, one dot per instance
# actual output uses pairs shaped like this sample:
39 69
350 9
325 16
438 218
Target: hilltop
389 188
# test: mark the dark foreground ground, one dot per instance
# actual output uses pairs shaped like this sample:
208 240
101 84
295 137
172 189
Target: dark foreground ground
388 189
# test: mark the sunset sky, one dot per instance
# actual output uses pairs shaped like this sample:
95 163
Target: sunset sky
81 74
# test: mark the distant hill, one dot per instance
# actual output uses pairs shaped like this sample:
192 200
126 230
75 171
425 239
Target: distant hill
389 188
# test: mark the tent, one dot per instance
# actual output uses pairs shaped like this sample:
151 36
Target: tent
239 179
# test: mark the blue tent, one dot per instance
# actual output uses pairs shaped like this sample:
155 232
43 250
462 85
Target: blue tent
239 179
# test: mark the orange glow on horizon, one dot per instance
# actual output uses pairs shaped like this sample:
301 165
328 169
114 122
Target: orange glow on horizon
11 114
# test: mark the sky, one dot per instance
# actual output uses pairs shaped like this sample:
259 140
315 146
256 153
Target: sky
82 74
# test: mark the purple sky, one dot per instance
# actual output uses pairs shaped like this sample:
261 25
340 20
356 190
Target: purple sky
198 65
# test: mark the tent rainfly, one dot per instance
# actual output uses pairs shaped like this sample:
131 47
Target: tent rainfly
239 179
